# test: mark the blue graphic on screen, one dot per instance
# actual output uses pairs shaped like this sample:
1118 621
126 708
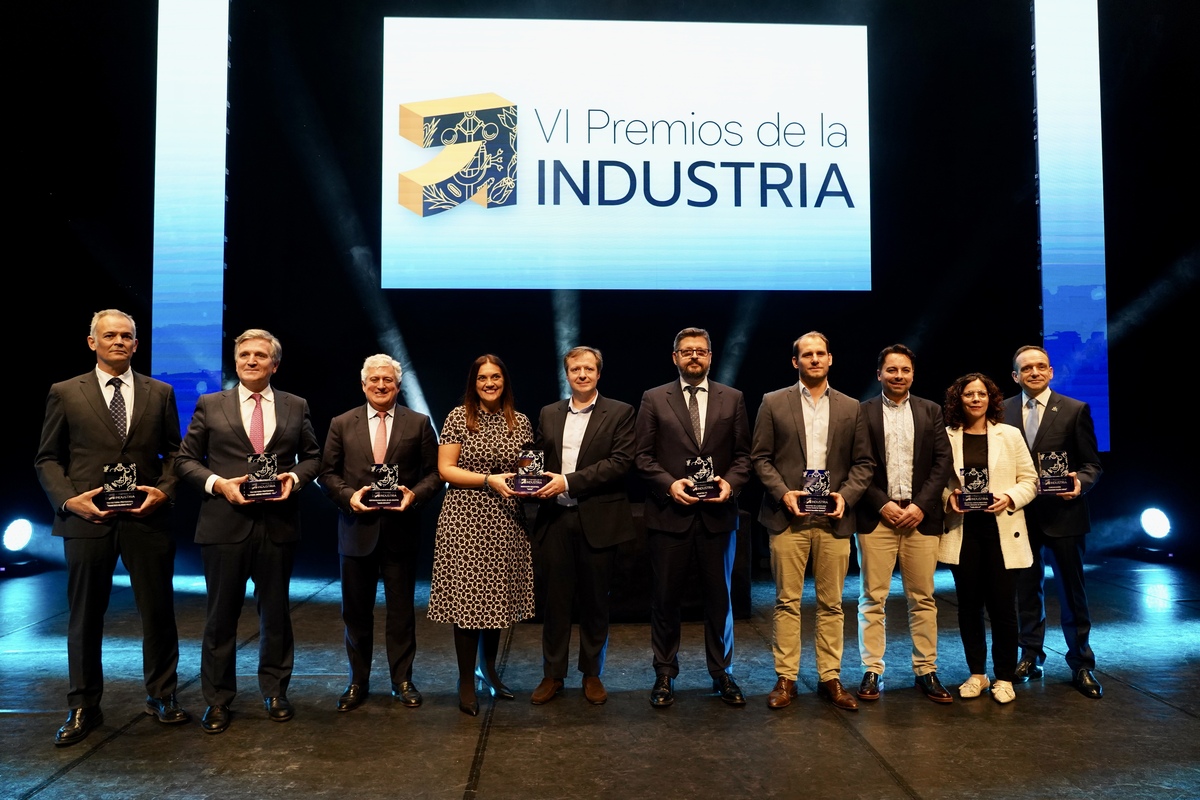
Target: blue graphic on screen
189 198
1071 203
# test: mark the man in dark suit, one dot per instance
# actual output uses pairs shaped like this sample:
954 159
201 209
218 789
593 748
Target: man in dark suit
245 538
379 541
112 415
1058 523
810 427
900 517
683 420
588 442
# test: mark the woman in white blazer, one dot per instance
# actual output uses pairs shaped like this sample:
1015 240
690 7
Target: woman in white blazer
986 547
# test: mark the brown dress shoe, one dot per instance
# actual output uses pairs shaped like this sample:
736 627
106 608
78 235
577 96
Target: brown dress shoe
781 696
546 691
837 694
593 690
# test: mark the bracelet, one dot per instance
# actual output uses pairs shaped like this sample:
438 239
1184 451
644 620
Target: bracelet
485 483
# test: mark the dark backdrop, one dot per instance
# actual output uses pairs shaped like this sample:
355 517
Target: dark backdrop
954 223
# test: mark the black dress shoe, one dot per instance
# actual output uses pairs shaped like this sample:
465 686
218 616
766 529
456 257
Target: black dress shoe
216 719
933 689
279 709
167 710
725 686
663 692
354 696
1027 669
870 686
468 703
1087 684
406 693
495 688
80 722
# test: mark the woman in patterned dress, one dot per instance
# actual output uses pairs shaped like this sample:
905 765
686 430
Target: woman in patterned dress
482 568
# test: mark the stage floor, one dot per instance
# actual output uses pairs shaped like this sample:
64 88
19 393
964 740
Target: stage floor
1141 741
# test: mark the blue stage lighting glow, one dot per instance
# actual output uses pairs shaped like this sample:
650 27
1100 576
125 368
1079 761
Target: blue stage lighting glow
1155 523
17 535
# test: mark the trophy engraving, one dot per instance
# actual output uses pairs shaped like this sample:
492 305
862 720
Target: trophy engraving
975 493
385 487
531 464
262 482
1054 473
119 490
702 474
818 499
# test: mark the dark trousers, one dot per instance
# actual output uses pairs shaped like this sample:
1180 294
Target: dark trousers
670 556
572 573
1066 557
395 560
981 581
226 569
149 556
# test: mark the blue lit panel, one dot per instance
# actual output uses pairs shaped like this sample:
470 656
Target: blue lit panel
189 197
1071 183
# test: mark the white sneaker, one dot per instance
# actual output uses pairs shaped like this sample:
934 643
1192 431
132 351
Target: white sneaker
975 685
1002 692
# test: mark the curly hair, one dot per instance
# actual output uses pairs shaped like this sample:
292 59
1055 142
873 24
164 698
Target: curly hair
953 408
471 397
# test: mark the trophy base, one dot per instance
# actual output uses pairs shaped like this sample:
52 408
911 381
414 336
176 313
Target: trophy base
818 504
262 489
119 501
382 498
1056 485
975 501
702 490
528 484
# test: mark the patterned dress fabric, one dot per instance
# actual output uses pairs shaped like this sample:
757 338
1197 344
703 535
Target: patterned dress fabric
482 567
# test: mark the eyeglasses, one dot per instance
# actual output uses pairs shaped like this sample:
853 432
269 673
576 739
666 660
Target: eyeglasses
698 352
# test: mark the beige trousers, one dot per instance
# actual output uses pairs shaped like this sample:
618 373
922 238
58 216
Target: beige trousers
790 553
878 552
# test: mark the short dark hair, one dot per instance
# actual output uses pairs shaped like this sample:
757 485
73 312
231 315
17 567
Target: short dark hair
953 407
796 344
691 332
894 350
1024 348
578 350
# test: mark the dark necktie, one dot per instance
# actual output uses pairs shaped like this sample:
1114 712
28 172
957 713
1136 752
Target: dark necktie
117 406
694 412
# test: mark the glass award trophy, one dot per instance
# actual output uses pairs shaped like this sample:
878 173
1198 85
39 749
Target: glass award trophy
818 499
531 464
975 494
385 487
262 482
119 490
1054 473
701 473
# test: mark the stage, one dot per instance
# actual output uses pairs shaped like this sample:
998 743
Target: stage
1141 741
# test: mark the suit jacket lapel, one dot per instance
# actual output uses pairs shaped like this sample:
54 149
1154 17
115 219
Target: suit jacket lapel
679 405
796 403
919 428
231 407
283 410
1048 418
89 387
595 420
141 399
361 432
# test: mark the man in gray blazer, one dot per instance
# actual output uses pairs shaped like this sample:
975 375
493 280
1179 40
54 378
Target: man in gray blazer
248 539
588 443
900 519
113 415
376 542
810 426
683 420
1058 523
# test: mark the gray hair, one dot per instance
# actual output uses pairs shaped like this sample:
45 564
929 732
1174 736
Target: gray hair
381 360
259 333
110 312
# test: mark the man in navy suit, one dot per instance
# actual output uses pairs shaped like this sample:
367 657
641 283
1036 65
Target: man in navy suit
900 518
376 542
588 442
810 426
248 539
1057 523
113 415
685 419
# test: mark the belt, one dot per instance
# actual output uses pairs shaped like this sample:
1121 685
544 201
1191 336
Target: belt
903 503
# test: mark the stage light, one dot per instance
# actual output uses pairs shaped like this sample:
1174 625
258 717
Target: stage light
1155 523
17 535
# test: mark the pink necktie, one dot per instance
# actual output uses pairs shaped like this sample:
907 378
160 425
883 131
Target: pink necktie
381 438
256 424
